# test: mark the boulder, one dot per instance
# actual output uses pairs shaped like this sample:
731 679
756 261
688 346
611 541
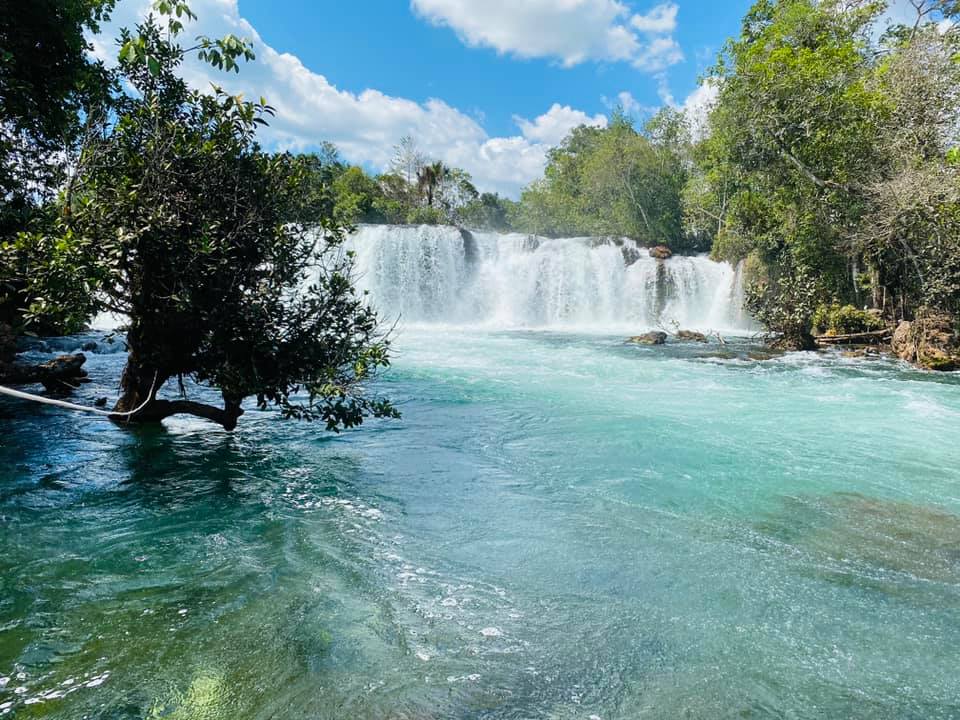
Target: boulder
650 338
62 372
661 252
902 343
931 341
691 336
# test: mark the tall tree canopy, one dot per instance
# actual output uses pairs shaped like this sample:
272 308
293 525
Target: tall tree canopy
218 253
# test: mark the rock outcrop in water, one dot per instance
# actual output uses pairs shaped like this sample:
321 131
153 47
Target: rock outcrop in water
691 336
650 338
931 341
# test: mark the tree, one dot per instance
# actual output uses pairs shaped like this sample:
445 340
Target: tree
793 142
201 239
429 179
614 181
48 85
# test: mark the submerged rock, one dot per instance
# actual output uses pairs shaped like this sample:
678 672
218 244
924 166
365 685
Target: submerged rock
650 338
887 544
931 342
761 356
691 336
661 252
864 352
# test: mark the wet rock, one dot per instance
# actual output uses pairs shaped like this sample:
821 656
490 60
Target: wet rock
100 402
931 342
691 336
760 356
90 346
859 353
630 254
650 338
661 252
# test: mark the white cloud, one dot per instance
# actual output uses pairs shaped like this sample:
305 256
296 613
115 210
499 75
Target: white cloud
698 105
572 31
365 125
630 104
554 125
662 19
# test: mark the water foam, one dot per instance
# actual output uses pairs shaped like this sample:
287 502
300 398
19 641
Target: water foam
441 275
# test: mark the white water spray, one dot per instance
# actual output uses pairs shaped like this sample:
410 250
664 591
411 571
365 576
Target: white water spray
436 274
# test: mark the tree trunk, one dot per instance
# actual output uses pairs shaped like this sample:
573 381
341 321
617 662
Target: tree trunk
140 383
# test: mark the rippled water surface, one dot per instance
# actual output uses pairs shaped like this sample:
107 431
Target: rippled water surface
561 526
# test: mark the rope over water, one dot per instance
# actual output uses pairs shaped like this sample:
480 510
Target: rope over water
79 408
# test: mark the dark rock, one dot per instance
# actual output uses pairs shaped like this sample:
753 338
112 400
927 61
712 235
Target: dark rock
691 336
8 344
661 252
100 402
56 374
89 346
630 254
650 338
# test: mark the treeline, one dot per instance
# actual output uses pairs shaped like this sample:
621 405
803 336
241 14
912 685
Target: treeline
414 190
832 166
612 181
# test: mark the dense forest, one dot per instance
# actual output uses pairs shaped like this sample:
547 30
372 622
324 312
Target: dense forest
828 166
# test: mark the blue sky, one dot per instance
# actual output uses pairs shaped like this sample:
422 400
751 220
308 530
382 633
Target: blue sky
386 45
486 85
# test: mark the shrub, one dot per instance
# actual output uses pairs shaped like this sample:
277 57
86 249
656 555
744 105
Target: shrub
844 320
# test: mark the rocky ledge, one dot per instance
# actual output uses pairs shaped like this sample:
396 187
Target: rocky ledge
931 341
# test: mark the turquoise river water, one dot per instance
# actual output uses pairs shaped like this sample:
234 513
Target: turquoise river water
562 526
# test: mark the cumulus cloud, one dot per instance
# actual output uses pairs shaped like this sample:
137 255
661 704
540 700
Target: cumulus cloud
365 125
571 31
698 105
555 124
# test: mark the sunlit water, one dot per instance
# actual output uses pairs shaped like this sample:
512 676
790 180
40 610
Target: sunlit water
562 526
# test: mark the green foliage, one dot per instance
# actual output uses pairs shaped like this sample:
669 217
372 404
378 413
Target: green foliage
836 319
785 304
489 212
200 239
824 153
48 82
615 181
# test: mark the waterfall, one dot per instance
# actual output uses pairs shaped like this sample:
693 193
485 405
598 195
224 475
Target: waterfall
438 274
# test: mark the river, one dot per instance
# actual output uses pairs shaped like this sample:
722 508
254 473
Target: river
561 526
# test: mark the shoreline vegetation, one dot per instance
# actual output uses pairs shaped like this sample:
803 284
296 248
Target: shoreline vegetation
829 166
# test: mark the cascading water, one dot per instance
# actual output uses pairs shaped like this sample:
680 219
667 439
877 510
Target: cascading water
431 274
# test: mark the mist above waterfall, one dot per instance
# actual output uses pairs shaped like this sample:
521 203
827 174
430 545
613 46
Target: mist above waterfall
438 274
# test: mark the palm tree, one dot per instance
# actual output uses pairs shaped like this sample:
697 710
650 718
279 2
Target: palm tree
429 179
